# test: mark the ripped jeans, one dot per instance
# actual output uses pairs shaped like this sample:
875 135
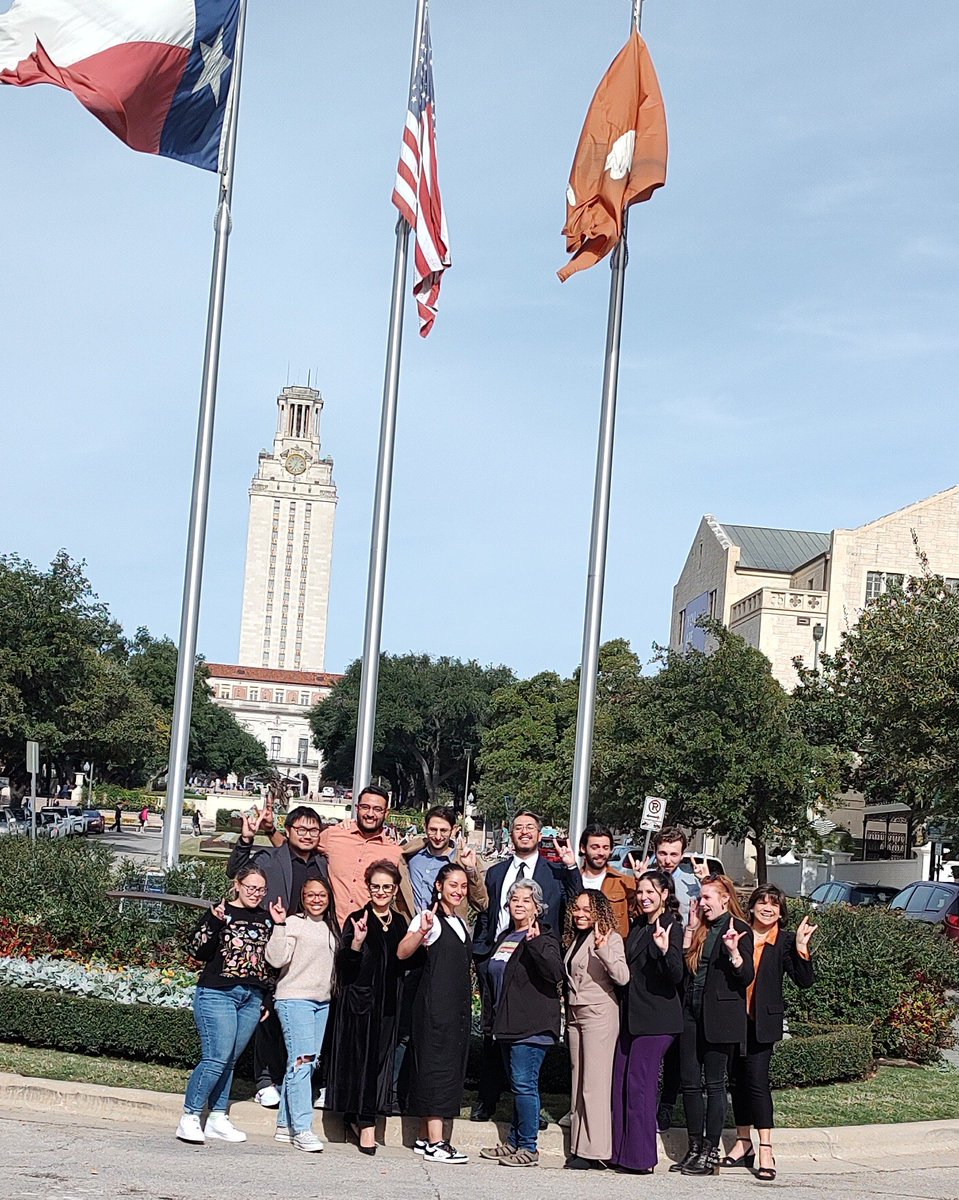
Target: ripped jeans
304 1024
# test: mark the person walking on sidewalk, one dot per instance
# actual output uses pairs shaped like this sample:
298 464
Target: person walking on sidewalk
440 1032
231 941
302 948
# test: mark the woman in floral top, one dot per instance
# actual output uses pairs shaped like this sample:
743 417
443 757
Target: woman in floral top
230 941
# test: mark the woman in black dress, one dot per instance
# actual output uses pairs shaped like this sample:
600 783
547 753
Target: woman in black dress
366 1009
441 1014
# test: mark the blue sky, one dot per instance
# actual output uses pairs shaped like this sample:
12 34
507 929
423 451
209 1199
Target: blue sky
790 345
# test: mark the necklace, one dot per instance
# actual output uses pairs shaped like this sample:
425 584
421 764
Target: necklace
387 921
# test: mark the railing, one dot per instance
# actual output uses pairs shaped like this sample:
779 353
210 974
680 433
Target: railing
795 600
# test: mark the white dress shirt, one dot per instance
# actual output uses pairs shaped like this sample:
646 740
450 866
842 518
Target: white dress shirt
512 874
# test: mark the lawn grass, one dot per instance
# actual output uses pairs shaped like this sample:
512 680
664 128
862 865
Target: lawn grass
892 1095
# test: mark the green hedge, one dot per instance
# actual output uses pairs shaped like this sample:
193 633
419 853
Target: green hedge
822 1055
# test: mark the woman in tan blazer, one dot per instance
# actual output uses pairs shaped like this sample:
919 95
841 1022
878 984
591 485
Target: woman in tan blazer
595 963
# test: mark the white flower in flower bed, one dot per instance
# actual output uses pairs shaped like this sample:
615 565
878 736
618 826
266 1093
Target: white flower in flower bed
126 985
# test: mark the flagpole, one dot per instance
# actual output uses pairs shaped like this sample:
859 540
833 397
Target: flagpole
379 538
599 532
199 502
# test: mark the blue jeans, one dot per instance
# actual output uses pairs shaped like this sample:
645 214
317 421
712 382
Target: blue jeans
304 1024
523 1063
225 1019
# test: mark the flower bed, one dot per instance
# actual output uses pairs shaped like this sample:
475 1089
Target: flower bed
166 988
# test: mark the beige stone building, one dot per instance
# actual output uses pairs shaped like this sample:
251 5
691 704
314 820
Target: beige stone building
793 592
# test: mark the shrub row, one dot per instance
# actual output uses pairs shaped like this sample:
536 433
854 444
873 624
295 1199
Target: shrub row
822 1055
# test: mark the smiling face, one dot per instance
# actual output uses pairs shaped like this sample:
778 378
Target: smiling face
453 890
766 912
251 890
522 908
583 913
669 855
597 852
438 834
652 902
525 835
370 813
382 890
713 901
316 899
303 835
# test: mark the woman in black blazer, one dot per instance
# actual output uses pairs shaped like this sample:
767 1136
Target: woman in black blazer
777 952
719 968
652 1017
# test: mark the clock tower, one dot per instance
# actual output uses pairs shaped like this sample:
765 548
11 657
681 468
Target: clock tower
289 548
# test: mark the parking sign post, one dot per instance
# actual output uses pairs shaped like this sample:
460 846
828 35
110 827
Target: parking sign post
654 814
33 766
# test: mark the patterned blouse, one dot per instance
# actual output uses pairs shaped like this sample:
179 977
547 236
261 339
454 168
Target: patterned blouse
234 949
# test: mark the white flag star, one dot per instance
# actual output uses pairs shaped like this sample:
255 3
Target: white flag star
215 66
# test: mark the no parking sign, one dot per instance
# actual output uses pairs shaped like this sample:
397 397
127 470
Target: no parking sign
654 814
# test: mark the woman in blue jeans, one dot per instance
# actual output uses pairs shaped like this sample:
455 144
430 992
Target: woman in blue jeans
231 941
303 948
524 974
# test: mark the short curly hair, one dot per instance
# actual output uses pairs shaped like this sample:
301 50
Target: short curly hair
604 919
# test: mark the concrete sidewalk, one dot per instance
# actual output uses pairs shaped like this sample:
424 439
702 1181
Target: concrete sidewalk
161 1109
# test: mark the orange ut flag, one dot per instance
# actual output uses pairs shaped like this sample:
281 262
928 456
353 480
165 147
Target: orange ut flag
620 159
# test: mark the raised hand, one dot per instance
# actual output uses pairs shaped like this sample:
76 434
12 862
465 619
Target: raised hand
251 825
731 939
701 868
566 855
804 934
661 936
359 931
278 910
629 862
467 858
600 939
695 916
267 821
427 921
219 910
533 930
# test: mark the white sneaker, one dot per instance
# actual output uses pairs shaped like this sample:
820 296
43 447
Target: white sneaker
269 1097
282 1134
190 1129
443 1152
320 1101
307 1140
218 1125
419 1146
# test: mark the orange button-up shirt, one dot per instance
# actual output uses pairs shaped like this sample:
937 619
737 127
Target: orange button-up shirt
758 947
350 853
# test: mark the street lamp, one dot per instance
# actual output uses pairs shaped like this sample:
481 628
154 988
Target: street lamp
817 635
88 768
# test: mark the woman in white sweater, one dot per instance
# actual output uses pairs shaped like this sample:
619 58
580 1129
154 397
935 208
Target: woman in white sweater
302 947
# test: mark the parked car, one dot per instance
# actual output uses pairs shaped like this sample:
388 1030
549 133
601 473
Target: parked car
841 891
13 821
93 820
51 824
549 850
934 903
620 854
70 814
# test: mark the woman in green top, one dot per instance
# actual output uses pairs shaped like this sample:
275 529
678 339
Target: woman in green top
719 968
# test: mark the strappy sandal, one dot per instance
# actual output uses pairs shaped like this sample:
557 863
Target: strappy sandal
766 1174
744 1160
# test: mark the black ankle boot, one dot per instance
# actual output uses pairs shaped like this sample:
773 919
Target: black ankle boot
706 1162
692 1152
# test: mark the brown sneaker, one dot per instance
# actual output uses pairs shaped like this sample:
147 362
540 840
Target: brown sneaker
500 1151
521 1158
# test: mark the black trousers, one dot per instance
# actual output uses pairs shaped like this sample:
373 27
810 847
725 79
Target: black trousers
269 1052
752 1095
703 1068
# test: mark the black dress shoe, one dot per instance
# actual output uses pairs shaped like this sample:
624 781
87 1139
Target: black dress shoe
479 1112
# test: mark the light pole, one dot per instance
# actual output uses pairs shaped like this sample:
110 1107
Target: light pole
817 635
466 785
88 768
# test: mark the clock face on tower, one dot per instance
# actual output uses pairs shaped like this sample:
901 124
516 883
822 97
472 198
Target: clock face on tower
295 463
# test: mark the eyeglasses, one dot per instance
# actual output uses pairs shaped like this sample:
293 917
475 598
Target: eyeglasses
371 808
253 891
306 830
382 887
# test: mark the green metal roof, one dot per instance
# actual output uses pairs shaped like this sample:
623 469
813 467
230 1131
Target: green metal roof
783 550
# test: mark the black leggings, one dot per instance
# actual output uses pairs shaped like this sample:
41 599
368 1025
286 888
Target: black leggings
703 1065
752 1095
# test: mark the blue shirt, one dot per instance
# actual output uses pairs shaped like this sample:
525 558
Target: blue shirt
687 888
423 868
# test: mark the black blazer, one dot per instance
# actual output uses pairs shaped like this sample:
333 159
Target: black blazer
778 958
652 1001
529 1002
723 1014
559 884
276 863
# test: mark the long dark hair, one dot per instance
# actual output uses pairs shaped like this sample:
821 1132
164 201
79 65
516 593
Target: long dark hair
330 915
602 912
664 883
441 877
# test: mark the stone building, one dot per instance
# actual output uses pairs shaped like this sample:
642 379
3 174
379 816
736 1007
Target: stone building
791 592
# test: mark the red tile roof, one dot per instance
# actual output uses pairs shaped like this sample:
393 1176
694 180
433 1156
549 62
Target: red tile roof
273 675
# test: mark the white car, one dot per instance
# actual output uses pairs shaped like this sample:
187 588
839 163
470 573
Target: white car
70 814
51 824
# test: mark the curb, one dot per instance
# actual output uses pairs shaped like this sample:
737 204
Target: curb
845 1142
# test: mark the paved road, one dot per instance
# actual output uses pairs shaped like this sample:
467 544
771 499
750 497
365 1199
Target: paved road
131 843
53 1157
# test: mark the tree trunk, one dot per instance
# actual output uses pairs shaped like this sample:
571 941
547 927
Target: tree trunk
760 844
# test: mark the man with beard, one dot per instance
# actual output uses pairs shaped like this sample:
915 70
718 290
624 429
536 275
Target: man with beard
595 846
355 845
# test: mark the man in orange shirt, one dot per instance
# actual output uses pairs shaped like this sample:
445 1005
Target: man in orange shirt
352 846
596 845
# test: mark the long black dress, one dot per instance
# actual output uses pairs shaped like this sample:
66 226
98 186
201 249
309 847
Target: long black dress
365 1012
441 1025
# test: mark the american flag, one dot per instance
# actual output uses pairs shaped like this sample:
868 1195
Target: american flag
416 192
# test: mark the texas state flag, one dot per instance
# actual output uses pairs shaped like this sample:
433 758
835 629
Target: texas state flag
157 73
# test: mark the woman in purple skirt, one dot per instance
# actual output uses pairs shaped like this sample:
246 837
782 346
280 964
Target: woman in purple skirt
652 1016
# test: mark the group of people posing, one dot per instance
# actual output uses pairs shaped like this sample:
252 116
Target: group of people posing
348 959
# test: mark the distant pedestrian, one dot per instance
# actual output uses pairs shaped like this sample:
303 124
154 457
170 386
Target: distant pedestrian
197 828
144 817
117 818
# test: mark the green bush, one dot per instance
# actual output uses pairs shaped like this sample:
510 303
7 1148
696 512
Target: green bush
816 1054
869 961
226 822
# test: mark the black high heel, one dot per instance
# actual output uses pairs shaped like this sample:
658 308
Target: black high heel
766 1174
744 1160
354 1130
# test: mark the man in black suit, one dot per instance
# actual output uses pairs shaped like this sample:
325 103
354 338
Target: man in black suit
560 882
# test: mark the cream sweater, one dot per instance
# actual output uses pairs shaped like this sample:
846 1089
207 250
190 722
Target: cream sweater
303 949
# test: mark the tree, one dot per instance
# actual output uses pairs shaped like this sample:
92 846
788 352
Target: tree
889 696
429 712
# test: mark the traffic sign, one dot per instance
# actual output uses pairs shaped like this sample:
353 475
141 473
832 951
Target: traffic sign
654 814
33 758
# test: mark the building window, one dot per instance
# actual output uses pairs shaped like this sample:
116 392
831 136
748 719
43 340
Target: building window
302 750
682 627
952 585
893 580
712 603
304 697
224 691
873 586
275 747
254 693
279 696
